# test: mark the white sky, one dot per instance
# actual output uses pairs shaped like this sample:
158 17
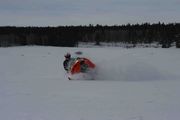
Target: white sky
85 12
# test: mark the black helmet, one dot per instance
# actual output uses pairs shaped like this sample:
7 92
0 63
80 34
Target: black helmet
68 55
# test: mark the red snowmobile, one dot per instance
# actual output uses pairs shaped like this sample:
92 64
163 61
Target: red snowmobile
79 68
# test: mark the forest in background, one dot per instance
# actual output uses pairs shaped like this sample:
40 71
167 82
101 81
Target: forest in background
69 36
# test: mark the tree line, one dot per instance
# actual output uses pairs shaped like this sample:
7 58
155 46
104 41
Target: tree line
70 36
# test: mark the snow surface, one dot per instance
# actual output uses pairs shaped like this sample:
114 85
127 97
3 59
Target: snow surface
130 84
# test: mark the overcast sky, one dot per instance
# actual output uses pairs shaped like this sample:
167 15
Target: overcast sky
85 12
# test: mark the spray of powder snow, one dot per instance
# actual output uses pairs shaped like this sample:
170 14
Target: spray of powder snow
128 66
90 75
132 72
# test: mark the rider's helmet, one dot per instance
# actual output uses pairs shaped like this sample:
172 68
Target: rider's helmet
67 56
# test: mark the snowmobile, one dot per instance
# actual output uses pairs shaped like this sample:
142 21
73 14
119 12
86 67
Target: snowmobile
80 68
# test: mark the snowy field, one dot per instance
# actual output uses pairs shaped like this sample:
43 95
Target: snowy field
130 84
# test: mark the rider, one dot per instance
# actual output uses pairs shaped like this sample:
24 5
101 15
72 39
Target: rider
66 61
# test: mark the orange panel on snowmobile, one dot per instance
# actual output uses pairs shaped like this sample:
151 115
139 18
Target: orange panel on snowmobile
76 68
